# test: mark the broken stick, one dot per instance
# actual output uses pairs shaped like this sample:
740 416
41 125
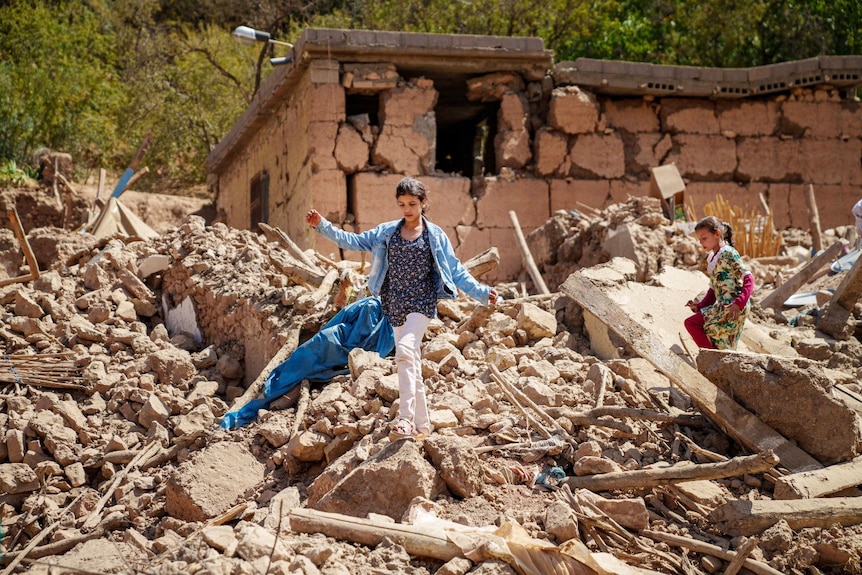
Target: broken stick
757 567
529 262
15 222
278 236
814 219
675 474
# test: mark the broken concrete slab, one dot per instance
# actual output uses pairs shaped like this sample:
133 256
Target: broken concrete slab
793 396
740 423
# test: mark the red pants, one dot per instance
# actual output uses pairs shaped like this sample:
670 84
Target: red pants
694 326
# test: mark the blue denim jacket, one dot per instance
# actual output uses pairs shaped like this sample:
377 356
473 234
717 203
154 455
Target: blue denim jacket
451 273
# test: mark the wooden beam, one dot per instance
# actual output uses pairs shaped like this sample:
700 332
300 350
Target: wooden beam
757 567
776 298
653 477
15 222
814 219
529 262
277 235
736 421
819 482
745 517
371 533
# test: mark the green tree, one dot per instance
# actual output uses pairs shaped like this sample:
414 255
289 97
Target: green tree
187 87
58 85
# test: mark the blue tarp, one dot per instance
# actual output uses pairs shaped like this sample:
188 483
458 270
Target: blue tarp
360 324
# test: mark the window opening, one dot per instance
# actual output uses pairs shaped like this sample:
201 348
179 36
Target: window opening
259 200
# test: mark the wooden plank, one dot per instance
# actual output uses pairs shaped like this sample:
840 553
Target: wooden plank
369 532
736 421
744 517
819 482
527 257
814 219
653 477
776 298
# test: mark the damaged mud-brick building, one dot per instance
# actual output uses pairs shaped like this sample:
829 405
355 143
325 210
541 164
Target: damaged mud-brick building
493 125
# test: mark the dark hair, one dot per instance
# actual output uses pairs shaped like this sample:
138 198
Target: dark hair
412 187
713 224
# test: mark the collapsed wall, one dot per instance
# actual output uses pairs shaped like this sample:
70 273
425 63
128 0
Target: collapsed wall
348 120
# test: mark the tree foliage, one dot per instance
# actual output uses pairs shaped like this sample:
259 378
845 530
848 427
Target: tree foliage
93 77
58 81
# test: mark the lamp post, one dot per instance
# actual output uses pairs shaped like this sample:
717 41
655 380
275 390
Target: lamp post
250 36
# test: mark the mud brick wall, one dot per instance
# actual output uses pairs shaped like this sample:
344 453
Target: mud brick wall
349 132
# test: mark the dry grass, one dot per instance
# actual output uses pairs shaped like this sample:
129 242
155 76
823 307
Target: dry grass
753 235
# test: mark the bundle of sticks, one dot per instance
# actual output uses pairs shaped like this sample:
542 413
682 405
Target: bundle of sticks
753 235
55 370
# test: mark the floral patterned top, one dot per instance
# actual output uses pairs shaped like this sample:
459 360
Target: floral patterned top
726 271
409 284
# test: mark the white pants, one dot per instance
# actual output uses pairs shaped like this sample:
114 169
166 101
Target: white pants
408 359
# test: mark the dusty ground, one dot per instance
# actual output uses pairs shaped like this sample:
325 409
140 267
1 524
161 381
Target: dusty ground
74 492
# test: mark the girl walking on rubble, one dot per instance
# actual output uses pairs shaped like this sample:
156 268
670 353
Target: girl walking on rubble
413 265
718 318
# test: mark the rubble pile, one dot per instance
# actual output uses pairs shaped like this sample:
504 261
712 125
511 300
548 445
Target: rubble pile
122 357
637 228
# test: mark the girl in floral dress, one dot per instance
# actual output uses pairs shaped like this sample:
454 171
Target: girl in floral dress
413 265
718 318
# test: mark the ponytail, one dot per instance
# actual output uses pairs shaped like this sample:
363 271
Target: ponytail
728 233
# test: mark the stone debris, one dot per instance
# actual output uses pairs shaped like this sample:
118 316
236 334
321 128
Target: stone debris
130 469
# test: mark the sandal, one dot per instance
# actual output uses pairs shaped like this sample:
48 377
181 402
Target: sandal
402 429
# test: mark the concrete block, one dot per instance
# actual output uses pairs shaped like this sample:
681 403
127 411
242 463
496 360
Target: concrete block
530 196
631 115
688 116
823 119
841 70
573 110
570 194
598 155
552 149
755 118
703 156
211 481
778 389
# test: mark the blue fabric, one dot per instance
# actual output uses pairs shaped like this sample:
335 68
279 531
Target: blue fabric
360 324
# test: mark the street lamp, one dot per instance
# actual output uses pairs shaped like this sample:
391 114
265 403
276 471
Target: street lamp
246 35
249 36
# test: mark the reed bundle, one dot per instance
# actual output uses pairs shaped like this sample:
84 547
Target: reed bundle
753 235
55 370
